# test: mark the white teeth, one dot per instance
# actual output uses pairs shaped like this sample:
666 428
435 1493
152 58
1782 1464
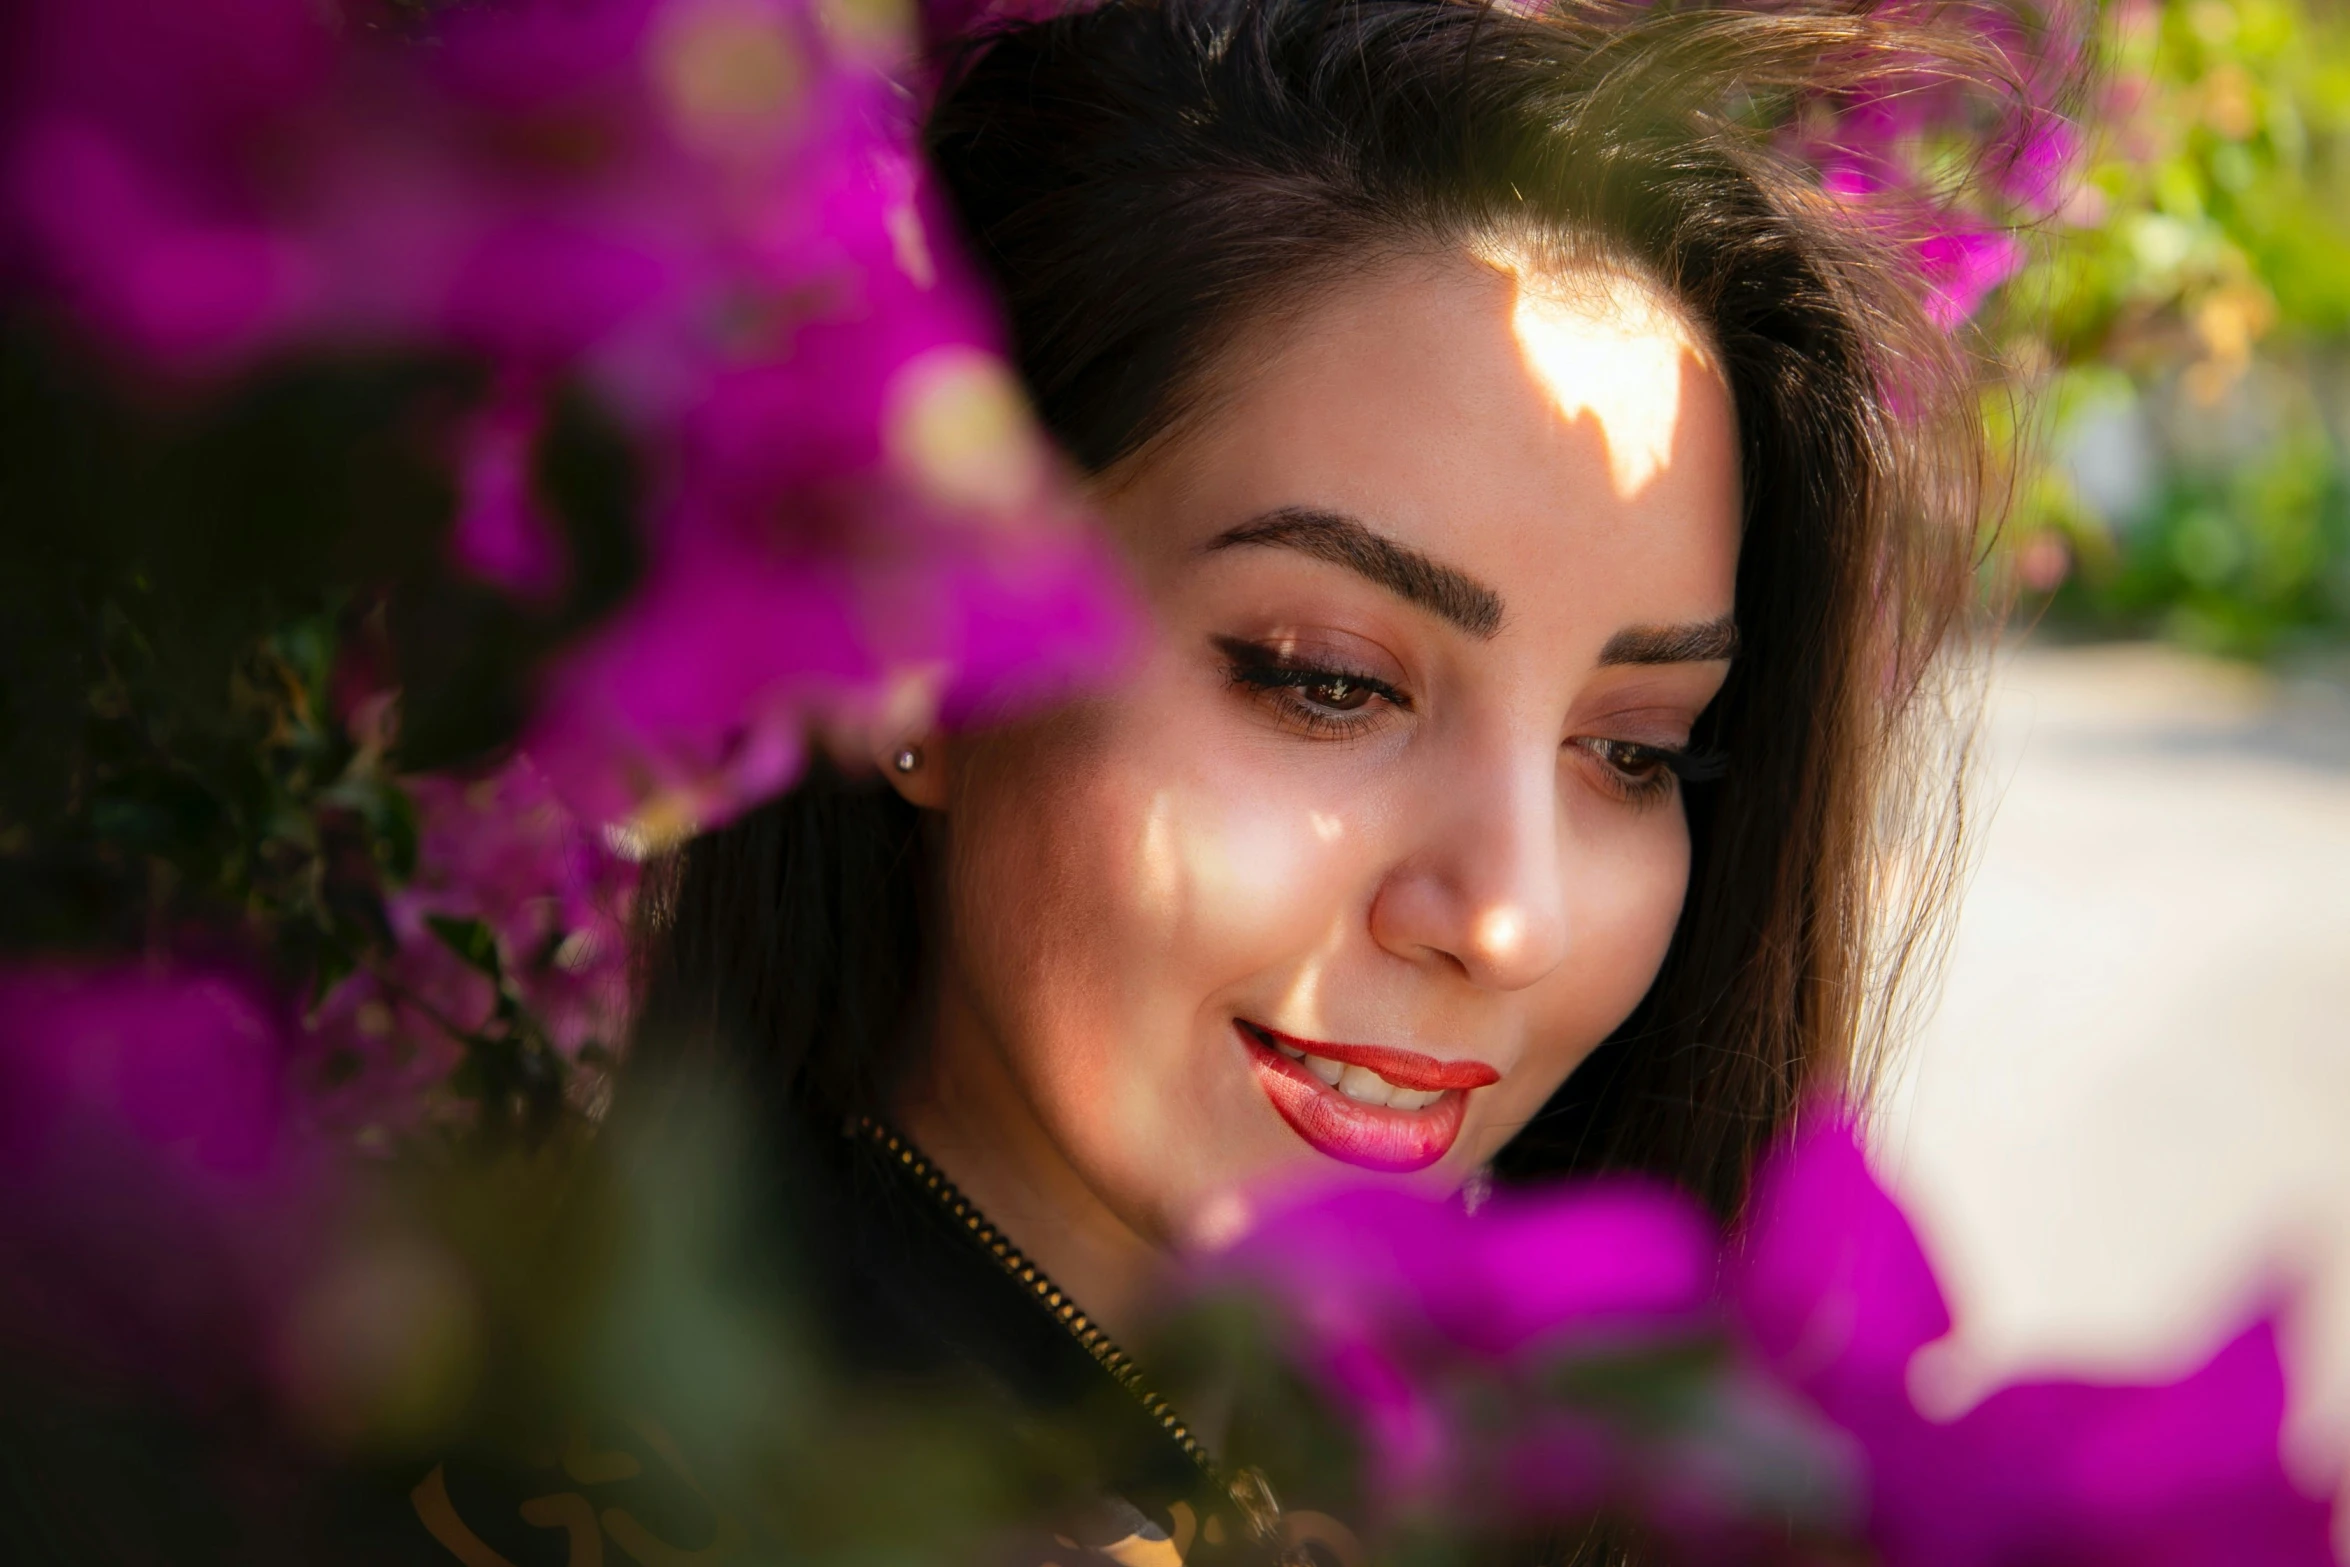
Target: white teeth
1358 1083
1364 1086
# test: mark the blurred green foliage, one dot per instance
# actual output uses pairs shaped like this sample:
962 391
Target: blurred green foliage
198 589
2186 326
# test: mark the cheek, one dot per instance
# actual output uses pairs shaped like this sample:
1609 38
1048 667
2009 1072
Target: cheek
1112 872
1624 893
1094 859
1043 833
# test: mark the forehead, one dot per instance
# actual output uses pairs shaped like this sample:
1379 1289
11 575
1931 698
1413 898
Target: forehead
1568 439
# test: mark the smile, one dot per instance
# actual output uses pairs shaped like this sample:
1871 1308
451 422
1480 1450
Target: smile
1371 1106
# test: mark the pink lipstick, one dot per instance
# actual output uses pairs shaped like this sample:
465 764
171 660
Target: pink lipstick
1373 1106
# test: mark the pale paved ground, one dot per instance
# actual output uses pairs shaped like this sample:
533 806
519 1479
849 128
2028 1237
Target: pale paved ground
2133 1106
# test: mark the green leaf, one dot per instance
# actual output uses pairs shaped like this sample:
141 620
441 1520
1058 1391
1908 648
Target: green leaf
396 833
470 940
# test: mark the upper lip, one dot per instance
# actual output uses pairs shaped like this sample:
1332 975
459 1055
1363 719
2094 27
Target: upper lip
1403 1068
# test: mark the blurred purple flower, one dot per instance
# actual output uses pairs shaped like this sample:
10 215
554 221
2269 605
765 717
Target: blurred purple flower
1525 1271
1878 150
157 1203
128 169
175 1247
2041 160
505 849
190 1066
697 696
1958 257
1397 1301
707 214
1961 263
1835 1296
1462 1348
181 287
502 535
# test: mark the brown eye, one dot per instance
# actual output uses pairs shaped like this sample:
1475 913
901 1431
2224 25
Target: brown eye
1638 762
1337 693
1318 700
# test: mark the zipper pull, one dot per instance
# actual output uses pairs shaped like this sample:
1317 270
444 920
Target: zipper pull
1252 1497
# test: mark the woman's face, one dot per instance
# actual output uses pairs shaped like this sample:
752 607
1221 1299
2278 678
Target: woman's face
1381 835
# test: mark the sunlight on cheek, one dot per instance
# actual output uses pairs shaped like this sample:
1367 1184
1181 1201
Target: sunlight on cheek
1240 867
1227 876
1158 888
1622 372
1310 1007
1300 1008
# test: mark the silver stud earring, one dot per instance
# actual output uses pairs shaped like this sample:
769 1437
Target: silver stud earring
908 758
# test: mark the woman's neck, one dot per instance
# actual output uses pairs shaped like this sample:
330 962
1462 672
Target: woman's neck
963 1109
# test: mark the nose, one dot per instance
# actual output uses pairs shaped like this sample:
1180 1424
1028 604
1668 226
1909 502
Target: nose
1482 884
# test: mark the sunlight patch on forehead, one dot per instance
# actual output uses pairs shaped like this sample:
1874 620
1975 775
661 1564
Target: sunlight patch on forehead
1611 351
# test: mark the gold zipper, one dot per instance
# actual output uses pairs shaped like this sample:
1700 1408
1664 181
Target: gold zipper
1015 1263
1249 1492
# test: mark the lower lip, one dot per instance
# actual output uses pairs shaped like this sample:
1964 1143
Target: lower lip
1370 1137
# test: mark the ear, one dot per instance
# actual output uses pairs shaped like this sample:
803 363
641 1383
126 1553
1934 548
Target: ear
916 767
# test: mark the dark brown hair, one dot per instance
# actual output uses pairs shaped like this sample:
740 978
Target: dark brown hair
1147 181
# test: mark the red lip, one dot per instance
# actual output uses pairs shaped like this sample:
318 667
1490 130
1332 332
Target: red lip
1404 1068
1370 1137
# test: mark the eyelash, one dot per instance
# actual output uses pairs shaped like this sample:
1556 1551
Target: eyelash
1636 773
1648 774
1285 683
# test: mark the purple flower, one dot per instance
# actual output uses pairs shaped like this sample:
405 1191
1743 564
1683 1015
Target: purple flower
696 699
126 167
1524 1272
709 216
188 1066
1884 149
1466 1351
185 288
1835 1296
504 849
176 1247
157 1202
869 505
501 534
1413 1316
501 848
2042 158
1962 262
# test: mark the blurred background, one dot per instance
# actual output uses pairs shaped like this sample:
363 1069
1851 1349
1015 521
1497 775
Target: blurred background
2131 1112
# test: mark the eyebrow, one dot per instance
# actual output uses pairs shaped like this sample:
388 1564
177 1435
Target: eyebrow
1700 642
1451 595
